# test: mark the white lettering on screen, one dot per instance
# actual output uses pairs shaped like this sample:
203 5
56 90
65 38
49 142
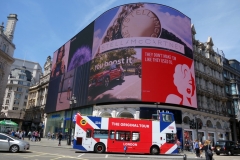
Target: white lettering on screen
130 125
142 41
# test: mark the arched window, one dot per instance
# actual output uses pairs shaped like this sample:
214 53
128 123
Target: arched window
209 124
106 114
219 126
126 114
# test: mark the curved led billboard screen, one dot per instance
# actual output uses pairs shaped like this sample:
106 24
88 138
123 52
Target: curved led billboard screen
134 52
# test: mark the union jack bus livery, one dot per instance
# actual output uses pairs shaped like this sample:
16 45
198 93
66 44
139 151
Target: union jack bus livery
101 134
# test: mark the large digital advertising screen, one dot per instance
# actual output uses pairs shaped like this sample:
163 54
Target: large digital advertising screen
134 52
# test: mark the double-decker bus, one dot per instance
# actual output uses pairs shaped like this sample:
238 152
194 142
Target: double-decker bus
101 134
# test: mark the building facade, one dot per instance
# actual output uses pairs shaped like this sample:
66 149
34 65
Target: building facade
34 114
7 48
23 75
231 74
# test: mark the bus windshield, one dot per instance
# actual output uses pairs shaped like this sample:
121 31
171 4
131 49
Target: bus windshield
167 118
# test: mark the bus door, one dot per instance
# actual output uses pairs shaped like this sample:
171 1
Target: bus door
88 138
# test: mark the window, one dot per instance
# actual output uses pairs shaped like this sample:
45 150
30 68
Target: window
26 90
16 102
26 97
15 108
20 82
135 136
99 133
167 117
2 137
170 138
8 95
18 96
25 103
112 134
10 88
6 108
7 101
11 81
123 135
21 76
89 133
19 89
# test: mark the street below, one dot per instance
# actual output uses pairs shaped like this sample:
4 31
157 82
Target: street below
40 151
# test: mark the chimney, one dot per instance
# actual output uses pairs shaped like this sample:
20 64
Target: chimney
11 24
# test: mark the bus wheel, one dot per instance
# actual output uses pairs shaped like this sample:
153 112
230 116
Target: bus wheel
154 150
99 148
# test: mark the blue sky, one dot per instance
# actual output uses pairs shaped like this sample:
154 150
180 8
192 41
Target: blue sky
43 26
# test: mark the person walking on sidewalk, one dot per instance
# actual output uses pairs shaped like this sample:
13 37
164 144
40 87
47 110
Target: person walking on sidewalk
29 135
60 139
196 146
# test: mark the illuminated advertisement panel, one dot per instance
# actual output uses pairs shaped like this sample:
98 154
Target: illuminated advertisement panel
60 60
135 52
150 46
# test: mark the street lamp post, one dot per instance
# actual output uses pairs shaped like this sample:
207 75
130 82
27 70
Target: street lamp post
20 118
71 101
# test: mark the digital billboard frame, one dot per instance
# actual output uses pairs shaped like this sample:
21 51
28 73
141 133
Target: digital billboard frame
138 52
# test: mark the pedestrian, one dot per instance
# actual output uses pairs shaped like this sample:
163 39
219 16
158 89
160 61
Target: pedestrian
207 147
178 145
39 136
20 135
29 135
53 136
201 149
196 146
59 139
36 136
186 145
49 135
33 136
23 134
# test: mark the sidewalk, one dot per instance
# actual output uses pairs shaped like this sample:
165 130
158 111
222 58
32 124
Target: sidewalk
54 143
49 143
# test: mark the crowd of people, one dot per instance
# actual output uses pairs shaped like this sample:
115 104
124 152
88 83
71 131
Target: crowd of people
19 134
197 147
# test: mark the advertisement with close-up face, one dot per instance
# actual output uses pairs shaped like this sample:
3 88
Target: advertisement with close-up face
60 60
168 77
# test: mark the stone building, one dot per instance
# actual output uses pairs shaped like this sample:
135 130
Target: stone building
231 74
34 116
7 48
23 75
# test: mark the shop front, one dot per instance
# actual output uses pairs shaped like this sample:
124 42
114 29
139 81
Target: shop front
55 122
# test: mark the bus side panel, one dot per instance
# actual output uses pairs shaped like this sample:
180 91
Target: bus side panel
78 138
142 127
104 125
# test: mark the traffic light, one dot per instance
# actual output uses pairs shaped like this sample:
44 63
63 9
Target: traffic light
199 125
192 124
